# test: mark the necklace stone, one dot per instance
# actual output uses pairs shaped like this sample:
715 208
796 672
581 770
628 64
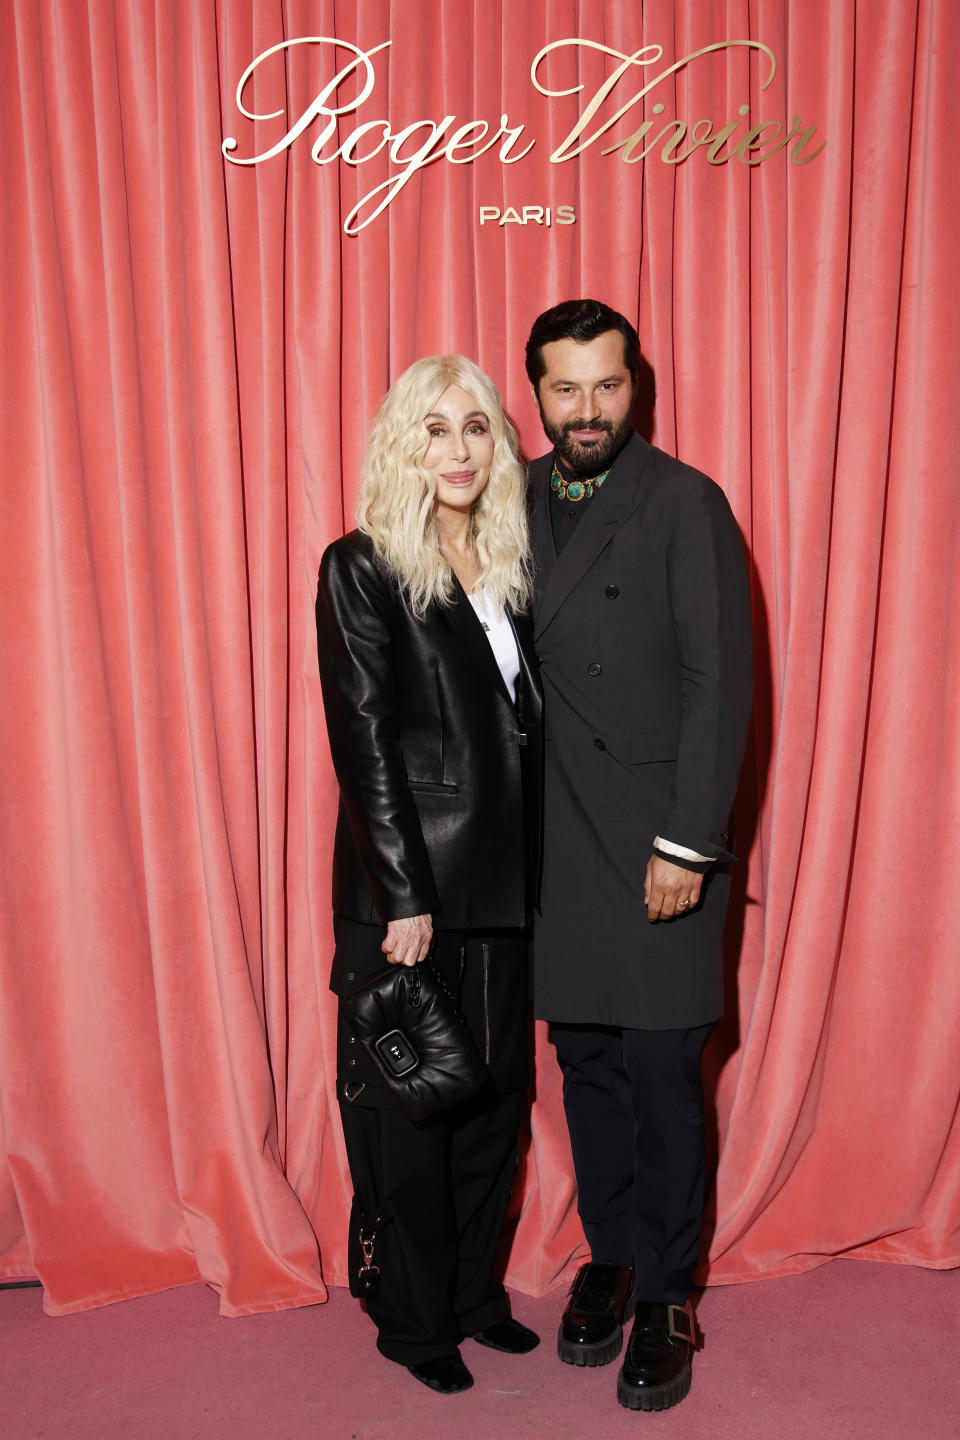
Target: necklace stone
575 489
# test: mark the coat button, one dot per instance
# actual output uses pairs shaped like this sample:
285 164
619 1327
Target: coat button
594 668
612 591
600 744
351 1062
350 975
351 1039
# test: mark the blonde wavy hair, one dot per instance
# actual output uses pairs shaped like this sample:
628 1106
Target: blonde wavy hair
396 502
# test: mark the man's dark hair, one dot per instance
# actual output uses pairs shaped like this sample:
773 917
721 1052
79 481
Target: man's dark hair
579 320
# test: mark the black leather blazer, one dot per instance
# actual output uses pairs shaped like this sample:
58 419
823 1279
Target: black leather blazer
438 768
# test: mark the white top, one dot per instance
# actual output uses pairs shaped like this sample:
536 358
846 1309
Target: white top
503 642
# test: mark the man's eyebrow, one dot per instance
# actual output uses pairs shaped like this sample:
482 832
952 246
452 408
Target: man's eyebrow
604 381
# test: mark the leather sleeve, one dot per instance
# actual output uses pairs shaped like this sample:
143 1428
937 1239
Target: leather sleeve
356 639
710 600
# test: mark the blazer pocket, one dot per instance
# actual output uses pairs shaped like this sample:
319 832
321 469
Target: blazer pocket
431 787
643 747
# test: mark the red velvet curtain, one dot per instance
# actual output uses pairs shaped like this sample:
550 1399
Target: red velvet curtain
194 352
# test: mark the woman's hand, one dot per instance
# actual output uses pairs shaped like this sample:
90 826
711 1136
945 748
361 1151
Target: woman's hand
408 941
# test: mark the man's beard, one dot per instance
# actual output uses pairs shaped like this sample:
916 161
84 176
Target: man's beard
589 457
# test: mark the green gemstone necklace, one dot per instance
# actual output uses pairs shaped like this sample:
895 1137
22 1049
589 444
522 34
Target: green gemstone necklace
575 490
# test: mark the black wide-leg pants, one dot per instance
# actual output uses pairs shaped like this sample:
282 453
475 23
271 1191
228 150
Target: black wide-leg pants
634 1108
434 1194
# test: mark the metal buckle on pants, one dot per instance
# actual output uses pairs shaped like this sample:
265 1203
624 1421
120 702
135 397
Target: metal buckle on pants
368 1276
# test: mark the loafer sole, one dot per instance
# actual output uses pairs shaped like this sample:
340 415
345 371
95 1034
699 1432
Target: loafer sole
594 1352
654 1397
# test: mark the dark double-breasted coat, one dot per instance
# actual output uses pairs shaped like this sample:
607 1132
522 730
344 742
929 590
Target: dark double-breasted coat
642 628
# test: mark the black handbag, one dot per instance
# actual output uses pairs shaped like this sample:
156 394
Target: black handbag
409 1023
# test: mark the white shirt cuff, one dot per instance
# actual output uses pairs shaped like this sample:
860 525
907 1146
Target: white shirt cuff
681 851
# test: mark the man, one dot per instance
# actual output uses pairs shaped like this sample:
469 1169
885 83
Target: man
643 633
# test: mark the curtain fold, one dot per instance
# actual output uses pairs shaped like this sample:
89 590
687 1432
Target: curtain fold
195 351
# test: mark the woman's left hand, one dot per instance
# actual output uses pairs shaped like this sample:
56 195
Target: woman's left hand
408 940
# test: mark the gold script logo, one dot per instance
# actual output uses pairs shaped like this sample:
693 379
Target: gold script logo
758 142
424 142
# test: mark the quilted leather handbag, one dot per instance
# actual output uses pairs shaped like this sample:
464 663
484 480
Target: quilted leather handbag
410 1024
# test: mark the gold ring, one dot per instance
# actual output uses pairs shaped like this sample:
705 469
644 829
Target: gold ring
683 903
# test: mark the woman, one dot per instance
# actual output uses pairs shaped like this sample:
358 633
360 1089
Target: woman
433 713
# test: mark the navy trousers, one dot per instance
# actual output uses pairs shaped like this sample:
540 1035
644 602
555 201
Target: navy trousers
634 1108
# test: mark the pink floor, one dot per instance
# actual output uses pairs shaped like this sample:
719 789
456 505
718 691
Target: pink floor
851 1351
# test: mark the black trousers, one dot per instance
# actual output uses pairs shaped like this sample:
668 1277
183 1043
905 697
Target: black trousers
434 1194
634 1108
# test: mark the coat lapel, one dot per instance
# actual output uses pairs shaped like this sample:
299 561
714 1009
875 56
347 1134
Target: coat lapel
618 496
528 688
465 621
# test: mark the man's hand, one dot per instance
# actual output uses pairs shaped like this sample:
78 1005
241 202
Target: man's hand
408 941
669 890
